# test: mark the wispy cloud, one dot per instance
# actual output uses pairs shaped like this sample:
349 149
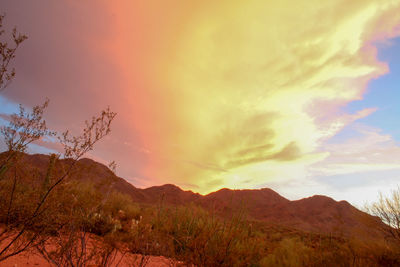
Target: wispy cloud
370 150
211 94
261 87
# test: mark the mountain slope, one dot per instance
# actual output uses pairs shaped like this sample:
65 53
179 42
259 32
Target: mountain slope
316 214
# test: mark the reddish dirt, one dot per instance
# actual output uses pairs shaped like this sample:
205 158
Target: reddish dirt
33 258
30 259
25 260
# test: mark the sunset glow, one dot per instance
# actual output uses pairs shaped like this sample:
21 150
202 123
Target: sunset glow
213 94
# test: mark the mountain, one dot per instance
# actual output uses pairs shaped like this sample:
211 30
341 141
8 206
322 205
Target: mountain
319 214
171 194
316 214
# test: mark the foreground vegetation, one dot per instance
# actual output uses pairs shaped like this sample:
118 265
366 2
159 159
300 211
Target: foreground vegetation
83 223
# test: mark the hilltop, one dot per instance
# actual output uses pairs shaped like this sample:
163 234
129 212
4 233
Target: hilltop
318 214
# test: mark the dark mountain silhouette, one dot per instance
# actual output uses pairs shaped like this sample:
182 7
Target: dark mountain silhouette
319 214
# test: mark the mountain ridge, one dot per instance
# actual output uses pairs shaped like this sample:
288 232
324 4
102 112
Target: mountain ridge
317 213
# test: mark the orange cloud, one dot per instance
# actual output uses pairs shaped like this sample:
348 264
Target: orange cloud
256 87
212 94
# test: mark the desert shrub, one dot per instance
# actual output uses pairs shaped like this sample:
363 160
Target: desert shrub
193 235
89 222
27 193
328 251
289 253
387 208
86 225
83 223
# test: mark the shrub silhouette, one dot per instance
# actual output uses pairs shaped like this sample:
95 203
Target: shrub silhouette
387 208
7 54
25 198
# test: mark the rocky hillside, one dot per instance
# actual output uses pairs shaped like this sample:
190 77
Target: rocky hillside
314 214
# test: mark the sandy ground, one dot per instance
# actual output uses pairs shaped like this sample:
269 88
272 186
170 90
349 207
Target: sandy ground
24 260
29 259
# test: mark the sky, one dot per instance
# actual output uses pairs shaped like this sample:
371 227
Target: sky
301 97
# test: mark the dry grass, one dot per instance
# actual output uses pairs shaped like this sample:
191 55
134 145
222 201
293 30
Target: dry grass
85 226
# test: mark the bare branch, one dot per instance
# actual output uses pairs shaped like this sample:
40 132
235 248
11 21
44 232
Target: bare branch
7 54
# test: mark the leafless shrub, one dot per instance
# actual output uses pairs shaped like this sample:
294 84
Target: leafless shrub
28 127
113 166
387 208
23 129
92 230
76 146
7 54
